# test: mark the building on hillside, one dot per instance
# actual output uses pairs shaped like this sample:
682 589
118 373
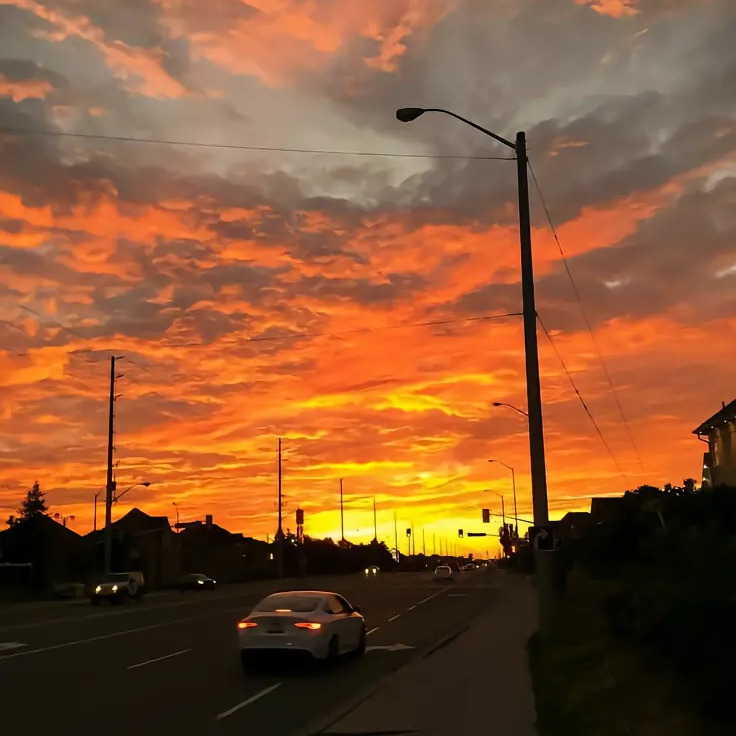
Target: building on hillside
143 543
225 556
719 432
55 552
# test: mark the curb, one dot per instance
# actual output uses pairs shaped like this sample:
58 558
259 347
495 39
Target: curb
320 725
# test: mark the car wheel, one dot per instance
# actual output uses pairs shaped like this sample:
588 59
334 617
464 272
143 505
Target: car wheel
360 649
333 649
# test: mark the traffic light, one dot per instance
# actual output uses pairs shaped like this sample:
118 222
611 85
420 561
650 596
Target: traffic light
460 533
486 516
408 532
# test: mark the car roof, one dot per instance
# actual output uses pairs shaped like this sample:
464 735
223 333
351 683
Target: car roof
305 593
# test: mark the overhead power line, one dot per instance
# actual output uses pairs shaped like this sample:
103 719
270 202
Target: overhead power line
241 147
588 323
582 401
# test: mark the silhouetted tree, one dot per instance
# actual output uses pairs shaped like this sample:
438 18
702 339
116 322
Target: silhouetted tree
34 505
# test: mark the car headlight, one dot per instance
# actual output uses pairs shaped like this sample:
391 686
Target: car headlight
367 571
98 589
201 582
114 588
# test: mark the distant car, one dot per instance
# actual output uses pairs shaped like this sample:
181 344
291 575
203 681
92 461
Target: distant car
119 587
196 581
319 623
444 573
372 570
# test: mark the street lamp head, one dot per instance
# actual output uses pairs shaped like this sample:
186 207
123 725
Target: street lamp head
407 114
145 483
492 461
497 403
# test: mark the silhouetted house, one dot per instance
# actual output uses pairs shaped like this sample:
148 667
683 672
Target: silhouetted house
719 461
227 557
606 509
573 525
141 542
55 552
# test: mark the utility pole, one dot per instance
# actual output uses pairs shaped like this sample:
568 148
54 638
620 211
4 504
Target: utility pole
94 523
434 544
342 515
110 482
396 537
516 510
413 541
375 522
424 545
280 530
503 514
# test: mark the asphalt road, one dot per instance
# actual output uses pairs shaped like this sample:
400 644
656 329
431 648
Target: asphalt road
170 664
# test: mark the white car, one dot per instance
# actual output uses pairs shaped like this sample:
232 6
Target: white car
322 624
444 573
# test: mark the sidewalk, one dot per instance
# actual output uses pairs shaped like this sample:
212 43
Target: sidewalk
478 683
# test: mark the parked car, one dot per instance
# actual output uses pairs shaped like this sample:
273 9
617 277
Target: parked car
319 623
196 581
118 587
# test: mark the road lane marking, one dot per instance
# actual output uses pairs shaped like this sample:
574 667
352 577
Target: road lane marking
157 659
411 608
395 617
7 645
429 597
250 700
368 633
114 635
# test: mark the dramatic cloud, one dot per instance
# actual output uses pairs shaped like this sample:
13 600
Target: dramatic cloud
163 197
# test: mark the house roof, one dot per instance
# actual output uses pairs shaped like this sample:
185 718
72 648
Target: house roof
724 414
137 521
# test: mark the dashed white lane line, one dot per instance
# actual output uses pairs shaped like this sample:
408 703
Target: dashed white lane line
157 659
393 618
411 608
368 633
114 635
247 702
429 597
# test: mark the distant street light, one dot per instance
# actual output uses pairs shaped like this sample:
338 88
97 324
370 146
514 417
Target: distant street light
510 406
544 572
513 483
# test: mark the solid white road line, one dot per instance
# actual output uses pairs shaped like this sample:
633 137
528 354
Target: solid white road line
114 635
395 617
157 659
250 700
368 633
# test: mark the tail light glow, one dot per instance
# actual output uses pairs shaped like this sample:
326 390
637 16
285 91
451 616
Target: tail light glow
308 625
247 624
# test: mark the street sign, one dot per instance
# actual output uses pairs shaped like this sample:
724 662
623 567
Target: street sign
300 516
486 516
541 537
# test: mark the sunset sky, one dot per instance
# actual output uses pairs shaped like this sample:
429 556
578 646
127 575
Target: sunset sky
260 292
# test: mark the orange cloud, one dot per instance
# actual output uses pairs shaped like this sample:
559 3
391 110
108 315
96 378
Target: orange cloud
613 8
24 89
307 35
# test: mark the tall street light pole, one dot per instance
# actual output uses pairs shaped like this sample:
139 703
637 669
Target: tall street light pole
513 484
375 522
342 515
110 481
531 349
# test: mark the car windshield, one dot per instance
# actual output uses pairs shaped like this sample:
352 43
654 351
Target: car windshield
291 603
119 577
